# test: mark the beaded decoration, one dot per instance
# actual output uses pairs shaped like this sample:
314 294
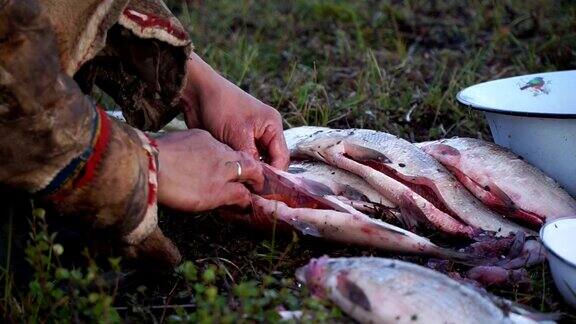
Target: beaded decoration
81 169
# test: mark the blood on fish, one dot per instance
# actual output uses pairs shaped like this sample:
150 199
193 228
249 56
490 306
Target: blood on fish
296 199
367 230
278 188
528 217
423 190
449 222
494 198
497 200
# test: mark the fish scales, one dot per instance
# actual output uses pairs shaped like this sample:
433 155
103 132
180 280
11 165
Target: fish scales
502 179
339 180
350 228
414 166
378 290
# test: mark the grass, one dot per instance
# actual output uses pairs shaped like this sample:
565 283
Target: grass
394 66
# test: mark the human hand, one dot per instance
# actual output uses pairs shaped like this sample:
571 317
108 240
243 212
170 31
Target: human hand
233 116
198 173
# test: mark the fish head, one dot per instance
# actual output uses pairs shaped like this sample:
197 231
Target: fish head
445 154
314 275
319 148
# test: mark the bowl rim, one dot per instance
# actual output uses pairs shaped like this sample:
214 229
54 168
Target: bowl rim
471 105
549 249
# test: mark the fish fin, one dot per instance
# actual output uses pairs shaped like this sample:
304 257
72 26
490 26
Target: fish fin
296 170
460 257
352 291
500 201
410 215
305 228
519 313
361 153
316 188
503 199
528 217
352 193
445 154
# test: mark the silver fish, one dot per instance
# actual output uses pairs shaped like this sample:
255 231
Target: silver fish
350 226
502 180
378 290
341 182
315 209
410 178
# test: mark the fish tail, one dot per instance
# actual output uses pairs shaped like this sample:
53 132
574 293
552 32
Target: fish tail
521 314
535 318
461 257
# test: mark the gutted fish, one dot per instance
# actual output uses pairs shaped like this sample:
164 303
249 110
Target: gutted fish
422 188
352 228
377 290
502 180
290 201
349 186
313 209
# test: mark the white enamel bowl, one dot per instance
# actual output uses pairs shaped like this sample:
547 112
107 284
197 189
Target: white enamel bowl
559 239
535 117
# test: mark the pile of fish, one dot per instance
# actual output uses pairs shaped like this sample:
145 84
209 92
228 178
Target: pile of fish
353 185
374 189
